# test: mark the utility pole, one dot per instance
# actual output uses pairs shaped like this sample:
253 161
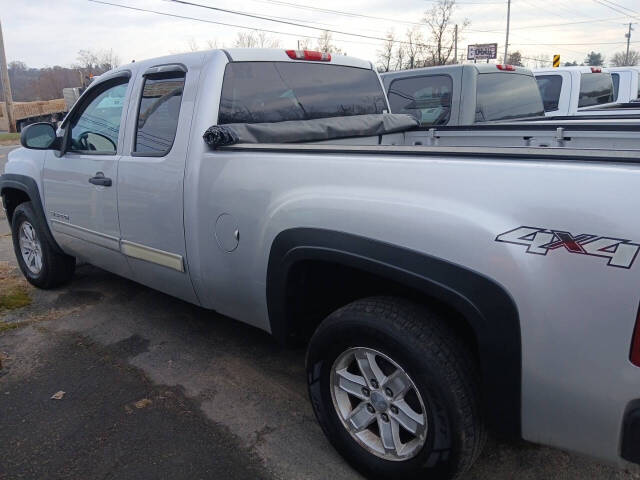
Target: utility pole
628 35
455 42
8 98
506 42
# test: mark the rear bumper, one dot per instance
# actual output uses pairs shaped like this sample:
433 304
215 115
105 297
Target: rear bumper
630 450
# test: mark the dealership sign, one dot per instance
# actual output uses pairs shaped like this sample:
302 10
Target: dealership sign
482 52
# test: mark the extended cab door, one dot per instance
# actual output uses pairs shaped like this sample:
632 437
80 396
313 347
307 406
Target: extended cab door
150 178
80 185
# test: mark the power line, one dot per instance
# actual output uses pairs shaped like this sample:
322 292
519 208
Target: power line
614 8
186 17
286 22
621 6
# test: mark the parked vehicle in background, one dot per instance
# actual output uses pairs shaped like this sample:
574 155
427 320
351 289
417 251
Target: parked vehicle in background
26 113
71 95
464 94
440 290
626 83
579 91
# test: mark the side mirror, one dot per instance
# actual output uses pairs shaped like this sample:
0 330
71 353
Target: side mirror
39 136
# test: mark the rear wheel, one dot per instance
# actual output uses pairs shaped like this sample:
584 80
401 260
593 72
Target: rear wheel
395 391
38 259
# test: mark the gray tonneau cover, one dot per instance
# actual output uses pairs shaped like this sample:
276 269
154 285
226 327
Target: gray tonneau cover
300 131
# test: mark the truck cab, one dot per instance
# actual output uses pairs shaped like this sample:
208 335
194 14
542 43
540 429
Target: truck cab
626 83
464 94
573 90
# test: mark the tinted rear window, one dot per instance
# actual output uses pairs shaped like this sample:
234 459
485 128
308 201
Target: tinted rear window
615 78
427 98
550 86
595 89
501 96
254 92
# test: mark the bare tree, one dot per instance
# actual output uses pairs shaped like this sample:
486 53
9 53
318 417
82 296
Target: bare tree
538 60
385 54
192 45
620 59
97 61
414 48
441 32
255 39
213 44
399 56
325 44
304 44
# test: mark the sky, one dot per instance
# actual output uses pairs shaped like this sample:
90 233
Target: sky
50 32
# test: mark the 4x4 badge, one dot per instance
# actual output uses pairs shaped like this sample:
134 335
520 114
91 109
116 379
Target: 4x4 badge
539 241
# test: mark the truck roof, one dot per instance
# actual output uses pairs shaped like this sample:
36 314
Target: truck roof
479 67
240 55
579 69
623 69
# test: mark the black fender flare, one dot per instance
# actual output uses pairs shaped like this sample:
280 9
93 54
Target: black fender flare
29 186
486 305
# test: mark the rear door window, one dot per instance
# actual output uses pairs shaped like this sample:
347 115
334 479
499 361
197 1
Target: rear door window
595 89
255 92
502 96
550 87
615 78
427 98
158 113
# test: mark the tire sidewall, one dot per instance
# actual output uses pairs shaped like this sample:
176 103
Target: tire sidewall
365 330
23 213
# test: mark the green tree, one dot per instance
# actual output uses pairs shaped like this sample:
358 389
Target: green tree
515 58
594 59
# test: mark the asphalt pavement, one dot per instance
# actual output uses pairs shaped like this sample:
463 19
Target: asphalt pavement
157 388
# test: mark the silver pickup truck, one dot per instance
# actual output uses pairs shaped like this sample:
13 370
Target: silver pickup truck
464 94
442 291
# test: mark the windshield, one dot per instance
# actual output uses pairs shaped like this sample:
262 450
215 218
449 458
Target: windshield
502 96
595 89
256 92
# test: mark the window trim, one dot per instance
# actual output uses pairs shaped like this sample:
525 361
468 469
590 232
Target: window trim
411 77
122 78
174 71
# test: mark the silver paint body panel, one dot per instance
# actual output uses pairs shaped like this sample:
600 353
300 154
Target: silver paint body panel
577 314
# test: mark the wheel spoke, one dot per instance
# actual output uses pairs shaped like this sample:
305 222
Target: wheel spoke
38 261
28 232
369 368
399 383
360 418
352 384
408 417
390 435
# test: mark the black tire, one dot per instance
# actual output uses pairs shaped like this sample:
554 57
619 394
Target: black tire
57 268
441 367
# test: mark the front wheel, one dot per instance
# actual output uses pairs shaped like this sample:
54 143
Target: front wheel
38 259
395 391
